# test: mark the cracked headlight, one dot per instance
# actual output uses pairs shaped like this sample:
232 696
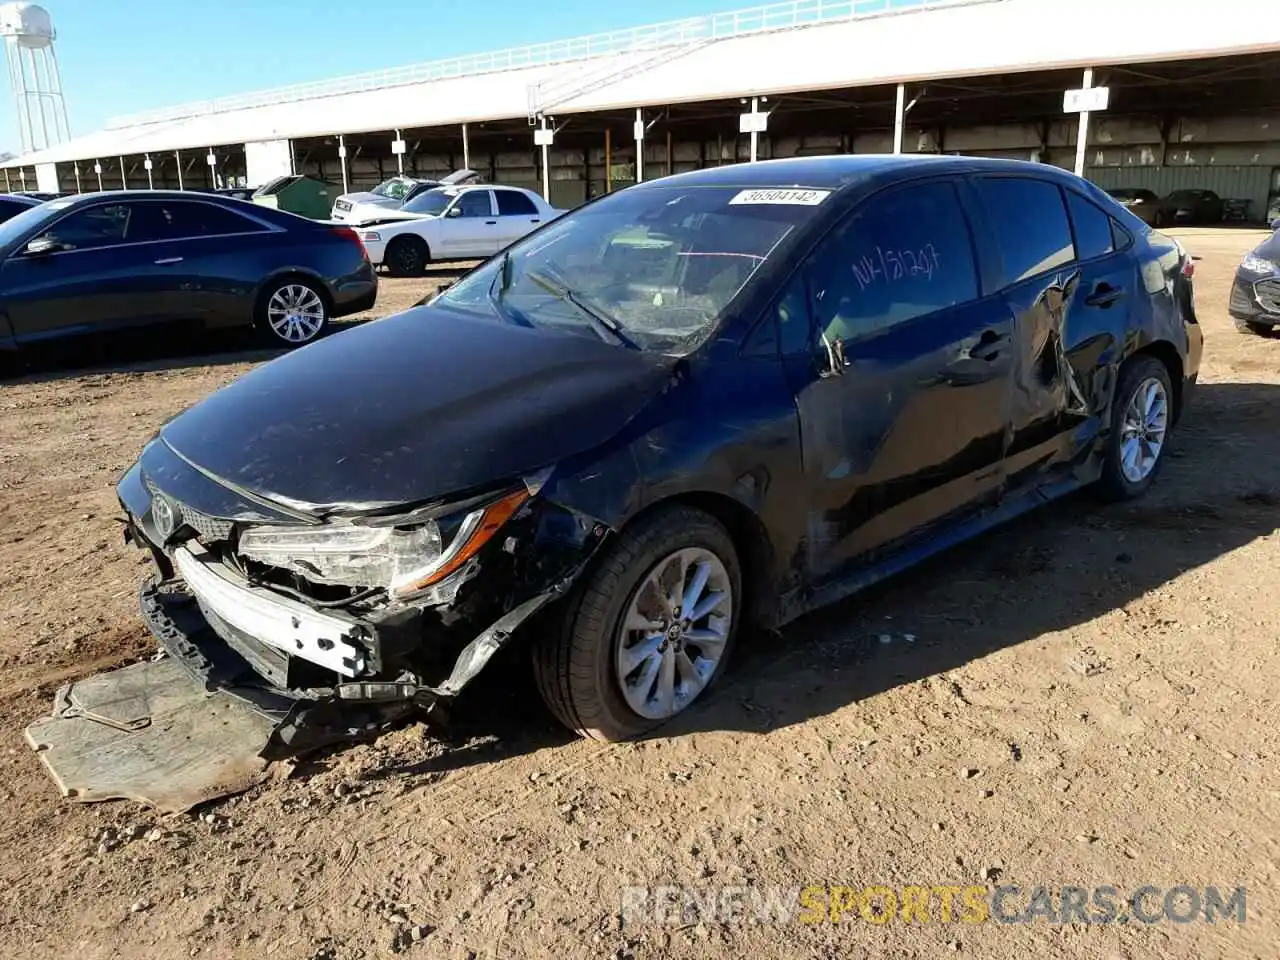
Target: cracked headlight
405 561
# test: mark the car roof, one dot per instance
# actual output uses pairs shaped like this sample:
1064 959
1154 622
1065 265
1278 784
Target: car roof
836 172
202 195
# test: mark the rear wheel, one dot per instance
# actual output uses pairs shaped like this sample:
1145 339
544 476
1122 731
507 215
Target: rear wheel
648 631
1141 418
407 256
293 312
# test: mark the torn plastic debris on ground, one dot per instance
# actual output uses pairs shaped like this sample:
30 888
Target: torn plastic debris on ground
149 732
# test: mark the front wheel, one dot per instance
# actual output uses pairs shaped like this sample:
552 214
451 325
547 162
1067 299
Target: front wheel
648 631
293 312
1141 417
407 256
1255 326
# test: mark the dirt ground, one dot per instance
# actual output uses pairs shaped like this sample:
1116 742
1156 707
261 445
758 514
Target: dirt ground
1089 698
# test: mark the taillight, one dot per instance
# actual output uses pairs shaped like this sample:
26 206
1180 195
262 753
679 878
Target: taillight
346 233
1188 268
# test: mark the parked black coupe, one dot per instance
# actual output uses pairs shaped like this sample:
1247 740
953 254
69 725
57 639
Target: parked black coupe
12 204
103 261
726 396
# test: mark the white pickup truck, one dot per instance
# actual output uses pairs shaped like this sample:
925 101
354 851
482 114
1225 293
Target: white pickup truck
452 223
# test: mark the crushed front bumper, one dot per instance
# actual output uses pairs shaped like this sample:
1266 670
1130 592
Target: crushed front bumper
305 718
287 626
229 627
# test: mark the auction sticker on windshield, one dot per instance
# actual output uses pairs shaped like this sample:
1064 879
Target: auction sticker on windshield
799 198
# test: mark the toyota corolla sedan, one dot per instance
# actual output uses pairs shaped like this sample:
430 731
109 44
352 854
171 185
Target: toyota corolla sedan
721 398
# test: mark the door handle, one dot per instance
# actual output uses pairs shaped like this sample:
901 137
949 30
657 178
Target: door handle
491 223
989 346
535 220
168 260
1103 295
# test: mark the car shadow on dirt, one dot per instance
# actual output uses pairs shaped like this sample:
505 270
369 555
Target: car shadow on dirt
1056 568
144 350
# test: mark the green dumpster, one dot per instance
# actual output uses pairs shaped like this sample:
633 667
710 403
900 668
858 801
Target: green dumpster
305 196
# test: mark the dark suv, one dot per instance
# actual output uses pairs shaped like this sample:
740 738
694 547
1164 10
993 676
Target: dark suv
726 396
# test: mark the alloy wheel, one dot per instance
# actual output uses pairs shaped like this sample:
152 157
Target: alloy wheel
1143 430
674 633
295 313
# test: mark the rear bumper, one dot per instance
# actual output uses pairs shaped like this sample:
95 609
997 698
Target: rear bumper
357 293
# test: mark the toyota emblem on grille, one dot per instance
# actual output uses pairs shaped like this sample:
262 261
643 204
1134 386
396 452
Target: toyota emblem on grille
163 514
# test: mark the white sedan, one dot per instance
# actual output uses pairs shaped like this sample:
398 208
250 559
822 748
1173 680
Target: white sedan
453 223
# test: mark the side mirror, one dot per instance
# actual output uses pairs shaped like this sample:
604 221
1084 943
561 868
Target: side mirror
454 212
41 246
1275 224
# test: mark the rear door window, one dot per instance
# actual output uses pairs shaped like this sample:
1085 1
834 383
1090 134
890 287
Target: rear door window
900 255
1030 223
1092 228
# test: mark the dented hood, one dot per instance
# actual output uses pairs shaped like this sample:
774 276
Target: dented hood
422 405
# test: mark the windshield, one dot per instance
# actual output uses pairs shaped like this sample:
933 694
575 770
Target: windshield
429 202
395 188
29 219
661 264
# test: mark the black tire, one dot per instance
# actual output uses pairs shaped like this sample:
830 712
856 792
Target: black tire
574 660
10 364
282 333
1136 372
407 256
1255 327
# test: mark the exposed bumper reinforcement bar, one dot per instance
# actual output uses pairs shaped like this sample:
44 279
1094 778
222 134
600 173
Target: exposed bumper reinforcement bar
287 625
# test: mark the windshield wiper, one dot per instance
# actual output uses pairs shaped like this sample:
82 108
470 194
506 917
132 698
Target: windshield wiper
603 324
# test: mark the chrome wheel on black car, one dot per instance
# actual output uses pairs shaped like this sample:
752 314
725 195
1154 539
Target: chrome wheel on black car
648 632
294 312
1141 418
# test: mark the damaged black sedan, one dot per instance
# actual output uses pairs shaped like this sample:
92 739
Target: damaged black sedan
721 398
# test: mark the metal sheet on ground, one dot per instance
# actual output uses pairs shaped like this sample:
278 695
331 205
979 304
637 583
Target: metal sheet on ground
150 733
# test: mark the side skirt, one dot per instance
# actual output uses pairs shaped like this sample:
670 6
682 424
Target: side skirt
1011 508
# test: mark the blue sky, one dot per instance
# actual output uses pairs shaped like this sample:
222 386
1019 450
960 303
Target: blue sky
130 55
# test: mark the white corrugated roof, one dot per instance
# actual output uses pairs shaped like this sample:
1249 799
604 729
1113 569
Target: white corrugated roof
955 38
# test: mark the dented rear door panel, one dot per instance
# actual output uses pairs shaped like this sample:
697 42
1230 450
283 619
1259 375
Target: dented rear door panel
1071 331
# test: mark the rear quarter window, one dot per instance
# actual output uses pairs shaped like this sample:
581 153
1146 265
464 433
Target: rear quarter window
1092 228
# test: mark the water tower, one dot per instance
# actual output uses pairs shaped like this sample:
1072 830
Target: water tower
33 75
